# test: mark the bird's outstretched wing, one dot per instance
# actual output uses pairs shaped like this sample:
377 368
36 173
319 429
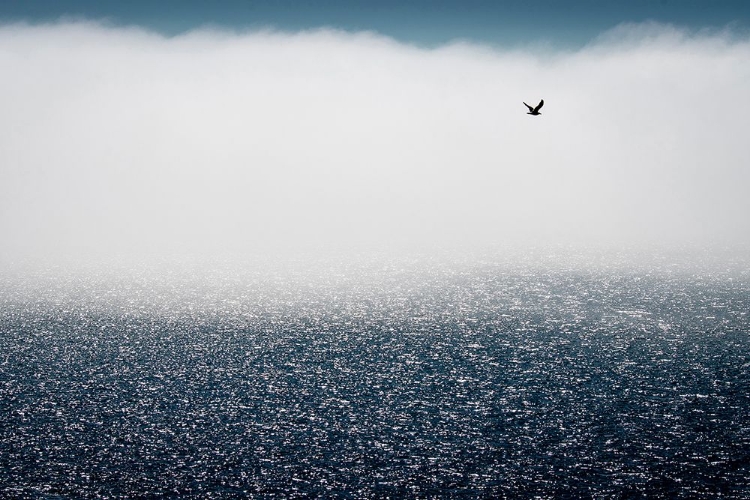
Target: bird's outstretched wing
530 108
538 106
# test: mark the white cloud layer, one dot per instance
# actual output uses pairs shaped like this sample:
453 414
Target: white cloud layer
120 141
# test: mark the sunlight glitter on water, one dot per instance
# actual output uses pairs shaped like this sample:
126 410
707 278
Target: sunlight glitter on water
452 380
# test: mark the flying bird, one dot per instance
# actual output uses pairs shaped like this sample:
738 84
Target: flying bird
535 111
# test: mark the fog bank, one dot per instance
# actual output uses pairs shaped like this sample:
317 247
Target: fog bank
117 141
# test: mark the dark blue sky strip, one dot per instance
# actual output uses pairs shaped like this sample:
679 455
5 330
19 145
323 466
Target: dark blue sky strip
416 21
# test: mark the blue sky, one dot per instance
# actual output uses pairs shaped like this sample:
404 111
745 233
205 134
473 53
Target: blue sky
510 22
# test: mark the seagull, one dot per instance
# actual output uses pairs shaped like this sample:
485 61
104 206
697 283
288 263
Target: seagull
535 111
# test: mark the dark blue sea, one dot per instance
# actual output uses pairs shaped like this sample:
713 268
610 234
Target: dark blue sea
532 377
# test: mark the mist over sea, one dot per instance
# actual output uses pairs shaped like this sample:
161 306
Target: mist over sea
536 374
253 263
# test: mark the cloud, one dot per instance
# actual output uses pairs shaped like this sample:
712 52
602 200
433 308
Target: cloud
116 140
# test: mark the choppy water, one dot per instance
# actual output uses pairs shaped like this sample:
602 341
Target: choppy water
444 380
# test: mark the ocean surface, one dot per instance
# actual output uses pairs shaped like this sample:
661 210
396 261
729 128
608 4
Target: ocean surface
498 378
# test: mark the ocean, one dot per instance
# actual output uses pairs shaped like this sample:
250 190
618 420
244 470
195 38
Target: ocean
536 377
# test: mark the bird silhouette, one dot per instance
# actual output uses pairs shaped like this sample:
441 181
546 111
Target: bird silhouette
535 111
